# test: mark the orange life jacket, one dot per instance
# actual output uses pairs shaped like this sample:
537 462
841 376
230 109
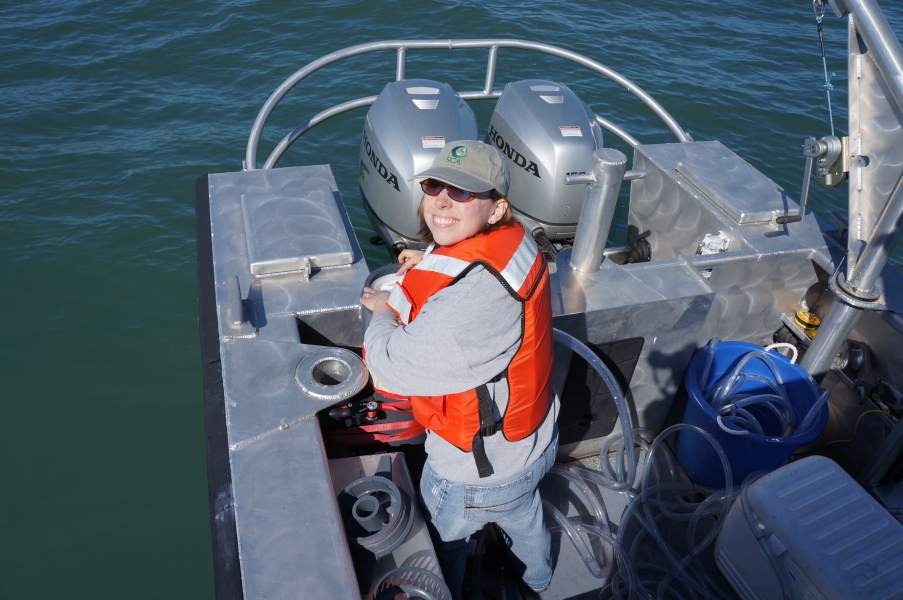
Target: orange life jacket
511 255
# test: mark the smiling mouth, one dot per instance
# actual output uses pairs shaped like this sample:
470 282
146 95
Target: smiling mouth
444 221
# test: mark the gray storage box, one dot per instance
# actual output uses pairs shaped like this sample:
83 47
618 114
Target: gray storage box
835 540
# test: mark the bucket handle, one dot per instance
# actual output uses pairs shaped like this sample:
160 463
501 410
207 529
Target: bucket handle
785 345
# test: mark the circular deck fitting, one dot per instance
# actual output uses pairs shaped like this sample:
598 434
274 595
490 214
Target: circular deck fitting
331 374
808 322
382 511
413 581
873 299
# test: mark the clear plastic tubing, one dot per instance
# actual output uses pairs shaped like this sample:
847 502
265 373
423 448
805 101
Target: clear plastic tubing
597 507
744 420
582 548
742 402
619 461
785 414
724 388
618 397
777 389
813 412
703 509
729 381
764 357
650 524
626 563
709 358
724 394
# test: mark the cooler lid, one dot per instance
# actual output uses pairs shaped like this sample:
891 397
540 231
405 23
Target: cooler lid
835 533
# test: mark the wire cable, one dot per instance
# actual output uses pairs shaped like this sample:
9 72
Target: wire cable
856 427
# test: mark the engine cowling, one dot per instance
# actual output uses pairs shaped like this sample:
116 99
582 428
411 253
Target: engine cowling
545 132
406 127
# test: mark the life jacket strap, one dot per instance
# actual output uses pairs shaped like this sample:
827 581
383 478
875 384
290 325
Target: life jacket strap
488 426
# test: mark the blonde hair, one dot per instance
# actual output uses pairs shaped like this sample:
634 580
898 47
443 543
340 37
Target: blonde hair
426 236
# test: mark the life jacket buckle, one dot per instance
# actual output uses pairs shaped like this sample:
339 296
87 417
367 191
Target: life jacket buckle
491 429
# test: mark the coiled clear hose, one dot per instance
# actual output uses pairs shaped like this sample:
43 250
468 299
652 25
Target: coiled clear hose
600 514
731 406
617 396
685 569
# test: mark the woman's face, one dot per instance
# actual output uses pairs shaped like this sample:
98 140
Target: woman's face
451 222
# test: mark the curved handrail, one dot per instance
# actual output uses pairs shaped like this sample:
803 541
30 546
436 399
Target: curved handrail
401 46
606 124
309 124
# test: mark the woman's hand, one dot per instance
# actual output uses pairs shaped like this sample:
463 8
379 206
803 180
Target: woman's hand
375 301
409 258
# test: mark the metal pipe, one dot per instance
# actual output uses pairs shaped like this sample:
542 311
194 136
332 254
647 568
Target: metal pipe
338 109
841 318
606 124
880 244
883 45
607 173
807 179
306 126
481 95
298 76
400 63
887 54
832 333
490 70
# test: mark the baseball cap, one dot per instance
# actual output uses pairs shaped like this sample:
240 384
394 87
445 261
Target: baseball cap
470 165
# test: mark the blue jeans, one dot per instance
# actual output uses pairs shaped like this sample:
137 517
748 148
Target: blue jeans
457 511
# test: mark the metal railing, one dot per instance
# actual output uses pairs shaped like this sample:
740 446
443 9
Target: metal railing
887 53
401 47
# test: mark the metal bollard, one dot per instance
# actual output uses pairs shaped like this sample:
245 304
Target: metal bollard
604 182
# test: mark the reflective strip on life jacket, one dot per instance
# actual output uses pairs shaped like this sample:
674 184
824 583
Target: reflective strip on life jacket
444 265
400 304
517 269
435 263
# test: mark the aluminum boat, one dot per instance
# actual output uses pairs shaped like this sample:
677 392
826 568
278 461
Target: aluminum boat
313 479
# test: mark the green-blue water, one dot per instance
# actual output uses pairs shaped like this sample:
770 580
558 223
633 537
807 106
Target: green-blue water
110 110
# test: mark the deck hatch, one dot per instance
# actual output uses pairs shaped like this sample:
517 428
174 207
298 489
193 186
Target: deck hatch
294 231
735 187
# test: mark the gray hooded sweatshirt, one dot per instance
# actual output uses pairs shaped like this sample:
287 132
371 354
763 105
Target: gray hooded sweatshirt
464 335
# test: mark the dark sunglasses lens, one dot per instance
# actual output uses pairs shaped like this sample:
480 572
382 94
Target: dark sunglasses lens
459 195
431 187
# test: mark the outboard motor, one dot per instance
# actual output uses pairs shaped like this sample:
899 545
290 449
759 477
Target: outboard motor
545 132
406 127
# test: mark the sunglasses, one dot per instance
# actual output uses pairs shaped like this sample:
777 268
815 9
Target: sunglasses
432 187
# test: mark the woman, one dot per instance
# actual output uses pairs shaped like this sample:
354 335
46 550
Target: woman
468 335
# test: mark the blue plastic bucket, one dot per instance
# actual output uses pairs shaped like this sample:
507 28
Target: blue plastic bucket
746 453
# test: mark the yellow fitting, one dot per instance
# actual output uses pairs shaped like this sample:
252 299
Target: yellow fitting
808 322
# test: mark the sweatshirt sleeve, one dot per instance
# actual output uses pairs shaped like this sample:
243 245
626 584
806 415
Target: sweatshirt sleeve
465 335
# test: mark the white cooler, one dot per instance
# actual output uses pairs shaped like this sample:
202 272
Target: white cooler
831 537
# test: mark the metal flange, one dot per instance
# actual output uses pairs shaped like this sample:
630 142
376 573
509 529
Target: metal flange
873 300
331 374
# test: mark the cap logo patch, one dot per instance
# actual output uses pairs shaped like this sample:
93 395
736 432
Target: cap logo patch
457 153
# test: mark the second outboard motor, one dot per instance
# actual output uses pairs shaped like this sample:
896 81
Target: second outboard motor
546 132
406 127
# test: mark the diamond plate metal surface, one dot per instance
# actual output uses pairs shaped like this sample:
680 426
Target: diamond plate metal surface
294 230
876 135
